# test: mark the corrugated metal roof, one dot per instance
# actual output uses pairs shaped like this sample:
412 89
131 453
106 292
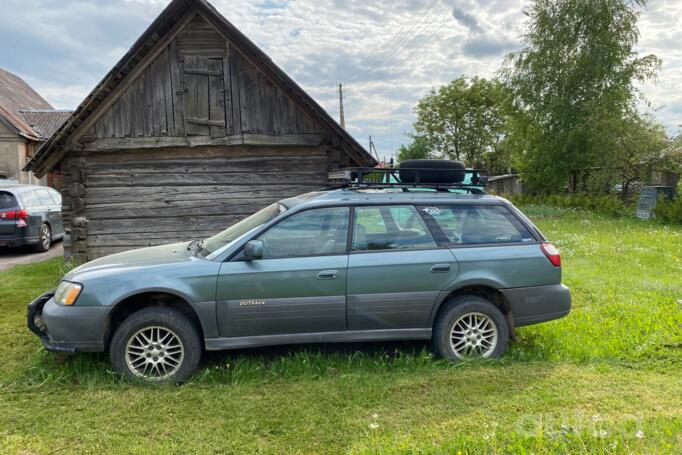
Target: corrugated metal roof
45 122
16 95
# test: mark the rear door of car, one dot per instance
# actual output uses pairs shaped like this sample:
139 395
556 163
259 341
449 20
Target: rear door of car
8 206
395 269
489 241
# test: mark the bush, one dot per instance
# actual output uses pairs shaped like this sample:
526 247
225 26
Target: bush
669 211
604 204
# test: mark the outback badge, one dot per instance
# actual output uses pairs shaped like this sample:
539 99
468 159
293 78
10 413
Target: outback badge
251 302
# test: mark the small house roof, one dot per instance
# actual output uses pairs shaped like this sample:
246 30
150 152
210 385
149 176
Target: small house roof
16 95
52 151
45 122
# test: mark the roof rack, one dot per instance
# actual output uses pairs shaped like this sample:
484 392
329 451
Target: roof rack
381 178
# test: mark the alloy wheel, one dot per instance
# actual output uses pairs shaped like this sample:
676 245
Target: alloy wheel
45 239
154 353
473 335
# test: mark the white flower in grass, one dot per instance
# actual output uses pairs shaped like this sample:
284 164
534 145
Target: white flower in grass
601 433
639 434
375 416
373 426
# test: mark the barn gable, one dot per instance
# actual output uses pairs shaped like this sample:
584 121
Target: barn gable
174 70
192 130
201 85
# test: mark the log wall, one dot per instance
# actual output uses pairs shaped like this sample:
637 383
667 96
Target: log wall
116 201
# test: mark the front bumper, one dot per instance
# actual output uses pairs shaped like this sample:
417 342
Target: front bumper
67 328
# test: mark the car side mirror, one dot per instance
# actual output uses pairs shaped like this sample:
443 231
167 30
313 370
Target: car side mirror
253 250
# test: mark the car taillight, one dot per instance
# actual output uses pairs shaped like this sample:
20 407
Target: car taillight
21 215
552 253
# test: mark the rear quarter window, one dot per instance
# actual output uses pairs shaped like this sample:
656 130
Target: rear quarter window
476 224
56 196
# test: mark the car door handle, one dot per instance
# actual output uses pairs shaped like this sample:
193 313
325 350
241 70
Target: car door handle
440 268
327 275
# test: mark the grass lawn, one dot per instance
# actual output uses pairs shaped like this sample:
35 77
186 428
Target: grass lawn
608 378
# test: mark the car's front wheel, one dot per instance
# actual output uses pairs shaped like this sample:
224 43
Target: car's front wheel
470 327
156 344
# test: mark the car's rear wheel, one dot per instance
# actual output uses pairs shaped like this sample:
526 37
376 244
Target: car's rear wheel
470 327
45 239
158 345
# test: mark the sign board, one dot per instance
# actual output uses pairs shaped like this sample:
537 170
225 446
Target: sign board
648 198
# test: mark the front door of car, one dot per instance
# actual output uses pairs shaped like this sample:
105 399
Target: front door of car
395 269
298 286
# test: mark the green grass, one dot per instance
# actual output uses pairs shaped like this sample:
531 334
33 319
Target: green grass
608 378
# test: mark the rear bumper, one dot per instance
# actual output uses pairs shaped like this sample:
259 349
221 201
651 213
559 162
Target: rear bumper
532 305
66 328
13 241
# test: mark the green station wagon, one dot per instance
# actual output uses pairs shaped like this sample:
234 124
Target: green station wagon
363 262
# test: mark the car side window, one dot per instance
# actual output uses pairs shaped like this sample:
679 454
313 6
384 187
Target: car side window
477 224
317 232
45 198
30 199
56 197
390 228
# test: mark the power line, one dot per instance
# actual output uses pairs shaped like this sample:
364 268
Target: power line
390 49
416 42
416 13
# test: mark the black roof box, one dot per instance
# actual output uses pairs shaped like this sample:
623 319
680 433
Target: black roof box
432 171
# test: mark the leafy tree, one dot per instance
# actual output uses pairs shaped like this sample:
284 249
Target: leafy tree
578 69
419 149
632 149
464 120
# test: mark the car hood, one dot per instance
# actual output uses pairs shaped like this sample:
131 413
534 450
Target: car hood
144 257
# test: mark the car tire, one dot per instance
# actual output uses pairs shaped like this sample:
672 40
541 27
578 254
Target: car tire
157 345
45 239
470 327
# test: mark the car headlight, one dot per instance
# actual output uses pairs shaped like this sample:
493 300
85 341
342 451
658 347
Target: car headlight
67 292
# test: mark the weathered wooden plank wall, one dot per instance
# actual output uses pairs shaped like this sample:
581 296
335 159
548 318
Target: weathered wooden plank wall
189 90
163 196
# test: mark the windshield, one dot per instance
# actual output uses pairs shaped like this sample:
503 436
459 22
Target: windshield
235 231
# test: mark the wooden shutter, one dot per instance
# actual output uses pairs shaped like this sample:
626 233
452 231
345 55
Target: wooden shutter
205 96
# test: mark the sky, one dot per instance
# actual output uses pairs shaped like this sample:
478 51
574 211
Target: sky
387 53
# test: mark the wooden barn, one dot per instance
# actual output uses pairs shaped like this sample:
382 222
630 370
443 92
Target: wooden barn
192 130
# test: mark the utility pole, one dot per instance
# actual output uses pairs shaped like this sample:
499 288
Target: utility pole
342 120
372 148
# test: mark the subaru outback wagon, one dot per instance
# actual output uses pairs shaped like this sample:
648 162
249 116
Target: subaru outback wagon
365 262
